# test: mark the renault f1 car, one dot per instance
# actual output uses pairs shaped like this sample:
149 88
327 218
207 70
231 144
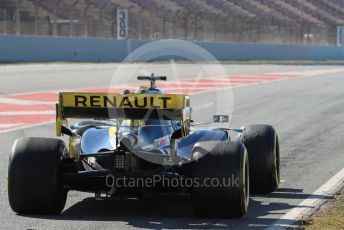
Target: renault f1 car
133 144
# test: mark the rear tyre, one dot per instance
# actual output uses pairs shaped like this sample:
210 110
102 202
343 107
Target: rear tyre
225 163
261 142
35 176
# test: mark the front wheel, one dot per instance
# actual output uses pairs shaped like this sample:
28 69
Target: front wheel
35 177
222 170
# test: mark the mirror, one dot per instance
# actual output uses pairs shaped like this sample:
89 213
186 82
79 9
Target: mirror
220 118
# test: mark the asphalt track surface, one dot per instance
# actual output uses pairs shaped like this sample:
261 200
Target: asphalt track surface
307 112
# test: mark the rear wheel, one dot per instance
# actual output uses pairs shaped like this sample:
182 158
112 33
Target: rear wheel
35 177
226 165
261 142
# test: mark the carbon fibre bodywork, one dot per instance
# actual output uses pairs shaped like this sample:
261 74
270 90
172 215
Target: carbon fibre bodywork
98 139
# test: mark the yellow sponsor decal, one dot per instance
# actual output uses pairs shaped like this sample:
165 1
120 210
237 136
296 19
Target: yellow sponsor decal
113 100
112 132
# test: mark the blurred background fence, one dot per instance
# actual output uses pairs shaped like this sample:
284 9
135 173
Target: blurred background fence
257 21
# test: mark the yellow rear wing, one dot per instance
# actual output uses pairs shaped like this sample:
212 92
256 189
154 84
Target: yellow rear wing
103 106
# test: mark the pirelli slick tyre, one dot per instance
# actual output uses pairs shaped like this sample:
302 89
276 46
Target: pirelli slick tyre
34 176
226 164
261 142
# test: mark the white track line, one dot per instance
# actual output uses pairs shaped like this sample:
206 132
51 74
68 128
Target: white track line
15 113
310 204
27 126
23 101
304 74
10 125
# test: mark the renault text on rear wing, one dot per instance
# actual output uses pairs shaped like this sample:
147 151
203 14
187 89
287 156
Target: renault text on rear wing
85 105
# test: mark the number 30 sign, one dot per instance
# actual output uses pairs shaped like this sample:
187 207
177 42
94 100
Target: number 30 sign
122 24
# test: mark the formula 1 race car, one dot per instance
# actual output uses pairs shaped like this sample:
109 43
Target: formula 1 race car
134 144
